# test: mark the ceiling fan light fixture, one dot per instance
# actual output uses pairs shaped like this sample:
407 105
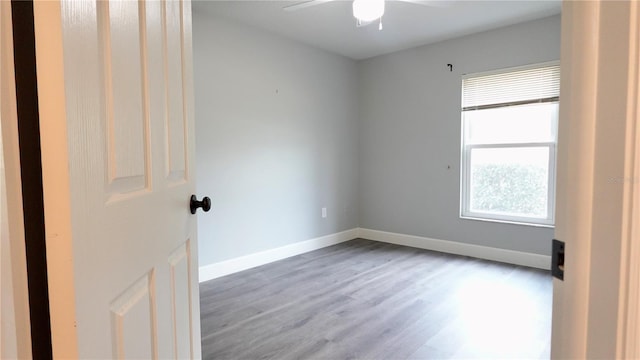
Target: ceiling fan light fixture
368 10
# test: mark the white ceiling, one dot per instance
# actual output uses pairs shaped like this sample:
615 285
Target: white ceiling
331 26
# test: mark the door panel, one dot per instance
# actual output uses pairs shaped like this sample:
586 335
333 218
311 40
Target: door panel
180 261
133 321
176 126
130 145
119 24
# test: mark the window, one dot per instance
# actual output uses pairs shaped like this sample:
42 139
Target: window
509 133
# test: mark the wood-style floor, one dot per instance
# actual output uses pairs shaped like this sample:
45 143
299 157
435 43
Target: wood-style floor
369 300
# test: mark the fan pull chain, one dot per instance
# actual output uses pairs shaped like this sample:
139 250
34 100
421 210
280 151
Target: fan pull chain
380 25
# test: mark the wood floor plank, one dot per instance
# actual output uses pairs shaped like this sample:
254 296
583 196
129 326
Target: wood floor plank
369 300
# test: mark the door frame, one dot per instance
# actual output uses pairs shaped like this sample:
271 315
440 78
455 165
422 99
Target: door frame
23 174
629 313
595 307
16 331
57 191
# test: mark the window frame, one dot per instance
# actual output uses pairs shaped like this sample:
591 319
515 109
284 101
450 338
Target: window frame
465 163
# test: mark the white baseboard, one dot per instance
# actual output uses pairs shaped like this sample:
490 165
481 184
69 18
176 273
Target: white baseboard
216 270
452 247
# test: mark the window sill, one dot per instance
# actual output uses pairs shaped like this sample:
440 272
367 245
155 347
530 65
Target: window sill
507 222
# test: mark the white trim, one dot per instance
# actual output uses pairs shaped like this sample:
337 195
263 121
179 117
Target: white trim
595 216
56 160
506 222
219 269
15 326
231 266
629 297
458 248
575 175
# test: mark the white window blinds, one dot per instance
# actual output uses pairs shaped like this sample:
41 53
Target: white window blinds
521 86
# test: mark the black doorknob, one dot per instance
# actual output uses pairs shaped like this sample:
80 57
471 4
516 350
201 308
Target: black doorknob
205 204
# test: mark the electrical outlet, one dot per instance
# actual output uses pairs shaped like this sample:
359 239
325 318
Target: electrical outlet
324 213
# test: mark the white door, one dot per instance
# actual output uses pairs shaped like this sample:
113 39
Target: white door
595 308
116 112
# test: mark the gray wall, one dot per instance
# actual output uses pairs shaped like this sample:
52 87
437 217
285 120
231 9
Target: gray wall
409 153
276 139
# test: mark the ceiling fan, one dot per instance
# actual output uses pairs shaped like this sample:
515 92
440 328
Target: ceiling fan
368 11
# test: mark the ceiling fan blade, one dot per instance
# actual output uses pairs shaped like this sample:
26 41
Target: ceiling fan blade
305 4
434 3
